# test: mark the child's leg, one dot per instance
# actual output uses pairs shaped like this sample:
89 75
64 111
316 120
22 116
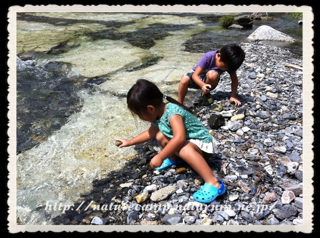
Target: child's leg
183 88
191 154
163 141
212 78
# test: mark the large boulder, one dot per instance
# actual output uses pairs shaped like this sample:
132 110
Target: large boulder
244 21
268 33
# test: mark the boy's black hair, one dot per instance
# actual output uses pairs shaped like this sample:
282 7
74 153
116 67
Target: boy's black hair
232 55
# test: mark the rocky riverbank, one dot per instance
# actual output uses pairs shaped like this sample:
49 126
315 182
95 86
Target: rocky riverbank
259 158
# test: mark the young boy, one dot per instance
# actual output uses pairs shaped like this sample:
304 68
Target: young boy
206 74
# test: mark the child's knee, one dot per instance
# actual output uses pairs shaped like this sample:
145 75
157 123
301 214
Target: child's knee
161 138
185 80
213 75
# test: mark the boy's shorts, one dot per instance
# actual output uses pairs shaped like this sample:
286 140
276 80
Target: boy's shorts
203 77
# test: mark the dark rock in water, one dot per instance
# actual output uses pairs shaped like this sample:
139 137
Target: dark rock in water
244 21
216 121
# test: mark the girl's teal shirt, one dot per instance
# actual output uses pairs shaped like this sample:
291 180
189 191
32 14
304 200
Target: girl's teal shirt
194 128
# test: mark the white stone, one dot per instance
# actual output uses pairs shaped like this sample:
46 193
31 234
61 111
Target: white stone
240 132
268 142
268 33
233 197
292 167
245 129
280 149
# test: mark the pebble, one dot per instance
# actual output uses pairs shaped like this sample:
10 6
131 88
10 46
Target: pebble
141 197
237 117
181 170
287 197
259 158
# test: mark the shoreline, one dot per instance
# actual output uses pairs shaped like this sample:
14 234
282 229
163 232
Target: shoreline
260 157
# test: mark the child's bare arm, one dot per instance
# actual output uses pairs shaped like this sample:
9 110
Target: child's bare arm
143 137
234 88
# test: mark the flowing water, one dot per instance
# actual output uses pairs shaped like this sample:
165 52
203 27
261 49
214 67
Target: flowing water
73 72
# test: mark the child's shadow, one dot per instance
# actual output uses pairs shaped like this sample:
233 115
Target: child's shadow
215 162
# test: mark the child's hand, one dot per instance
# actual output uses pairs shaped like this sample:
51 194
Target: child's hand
235 100
156 162
206 89
124 142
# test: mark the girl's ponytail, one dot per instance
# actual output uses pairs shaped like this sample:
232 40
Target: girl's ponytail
172 100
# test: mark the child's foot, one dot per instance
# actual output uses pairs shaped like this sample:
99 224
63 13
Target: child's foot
209 193
168 163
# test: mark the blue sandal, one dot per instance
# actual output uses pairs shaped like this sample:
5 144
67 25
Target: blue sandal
209 193
168 163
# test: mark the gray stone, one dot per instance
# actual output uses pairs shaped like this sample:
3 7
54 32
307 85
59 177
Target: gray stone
224 215
132 217
295 188
273 221
294 157
280 149
285 212
163 193
235 26
189 219
298 202
299 175
234 125
99 221
252 75
172 219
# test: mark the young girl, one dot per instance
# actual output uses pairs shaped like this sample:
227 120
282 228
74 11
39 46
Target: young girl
179 133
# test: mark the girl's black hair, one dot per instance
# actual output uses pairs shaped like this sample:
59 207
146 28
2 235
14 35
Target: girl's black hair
232 55
144 93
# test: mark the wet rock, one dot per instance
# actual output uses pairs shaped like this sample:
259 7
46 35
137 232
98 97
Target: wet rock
244 21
